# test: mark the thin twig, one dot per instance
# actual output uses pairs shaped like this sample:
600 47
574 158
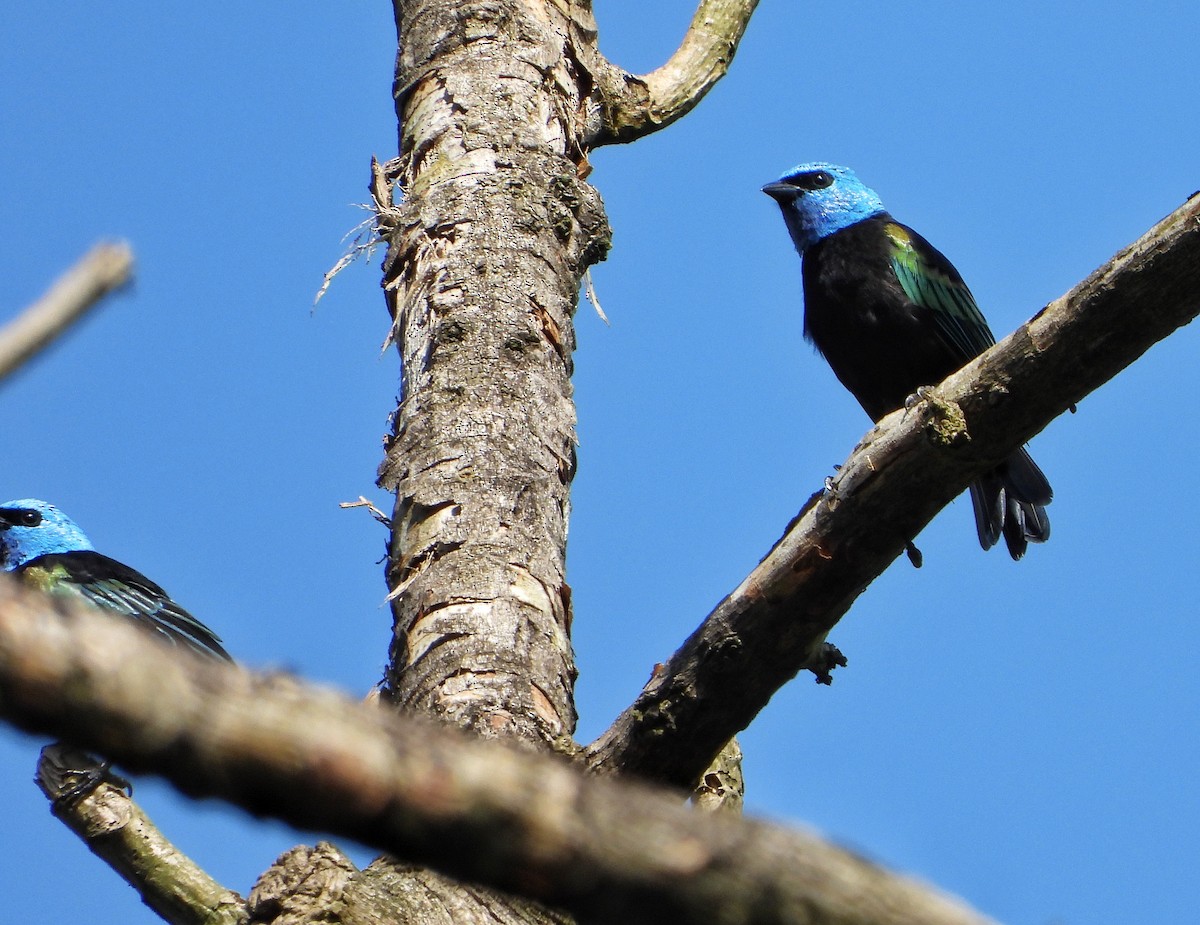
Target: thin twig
590 289
367 233
107 267
371 509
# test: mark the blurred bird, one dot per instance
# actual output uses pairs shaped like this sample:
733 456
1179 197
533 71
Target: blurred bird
46 550
891 314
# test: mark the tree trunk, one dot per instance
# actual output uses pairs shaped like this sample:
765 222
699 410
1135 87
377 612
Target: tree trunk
486 252
487 246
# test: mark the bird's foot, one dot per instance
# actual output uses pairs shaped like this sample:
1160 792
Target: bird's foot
68 775
914 554
923 393
85 781
826 658
830 486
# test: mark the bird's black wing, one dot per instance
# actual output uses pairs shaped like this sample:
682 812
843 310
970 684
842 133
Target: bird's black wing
112 585
931 282
1009 501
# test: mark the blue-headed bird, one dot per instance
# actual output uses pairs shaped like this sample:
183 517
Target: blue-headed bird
891 314
46 549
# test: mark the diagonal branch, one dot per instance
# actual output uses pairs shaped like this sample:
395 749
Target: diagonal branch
118 832
895 481
104 268
519 821
634 106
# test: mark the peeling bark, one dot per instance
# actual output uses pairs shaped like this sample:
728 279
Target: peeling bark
487 247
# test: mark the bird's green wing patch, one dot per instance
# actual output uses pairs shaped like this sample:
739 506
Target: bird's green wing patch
931 281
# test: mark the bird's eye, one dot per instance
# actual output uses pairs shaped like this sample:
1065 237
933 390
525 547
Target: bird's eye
811 180
30 518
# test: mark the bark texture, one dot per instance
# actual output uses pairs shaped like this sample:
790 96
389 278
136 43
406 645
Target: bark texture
492 233
487 247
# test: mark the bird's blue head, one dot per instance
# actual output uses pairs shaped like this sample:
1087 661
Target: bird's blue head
818 199
30 528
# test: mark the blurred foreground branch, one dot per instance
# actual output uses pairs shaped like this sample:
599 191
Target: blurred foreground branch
523 822
103 269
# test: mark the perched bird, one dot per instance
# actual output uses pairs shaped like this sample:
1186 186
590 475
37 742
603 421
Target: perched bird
891 314
46 550
44 547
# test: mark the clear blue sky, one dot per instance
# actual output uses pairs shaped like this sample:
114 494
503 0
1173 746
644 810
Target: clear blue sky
1023 734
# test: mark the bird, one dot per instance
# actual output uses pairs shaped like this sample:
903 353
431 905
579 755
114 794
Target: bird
45 549
891 315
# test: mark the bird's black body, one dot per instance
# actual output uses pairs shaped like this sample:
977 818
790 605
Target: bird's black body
891 314
879 343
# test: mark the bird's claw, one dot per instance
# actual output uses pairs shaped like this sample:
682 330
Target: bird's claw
85 781
827 658
68 775
923 393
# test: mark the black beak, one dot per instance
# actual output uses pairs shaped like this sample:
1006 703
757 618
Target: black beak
783 193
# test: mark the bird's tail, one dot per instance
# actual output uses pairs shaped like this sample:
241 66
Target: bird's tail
1010 501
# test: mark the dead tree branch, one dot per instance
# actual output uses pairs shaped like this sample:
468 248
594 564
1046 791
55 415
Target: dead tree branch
904 471
633 106
118 832
103 269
